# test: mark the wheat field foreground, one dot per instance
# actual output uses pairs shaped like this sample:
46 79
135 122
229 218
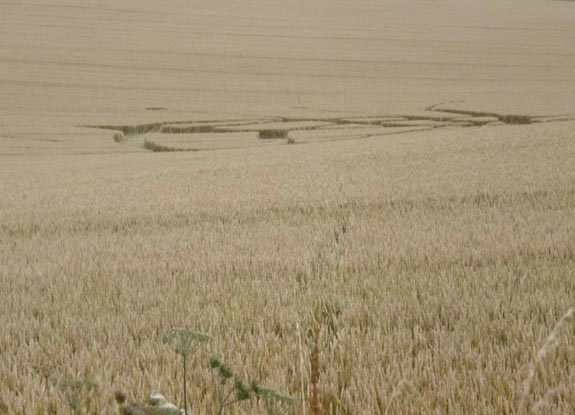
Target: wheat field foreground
398 175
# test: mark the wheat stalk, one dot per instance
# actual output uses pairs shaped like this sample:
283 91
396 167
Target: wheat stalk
551 343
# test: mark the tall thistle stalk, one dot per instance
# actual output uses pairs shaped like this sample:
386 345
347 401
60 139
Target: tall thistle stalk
185 342
301 369
316 409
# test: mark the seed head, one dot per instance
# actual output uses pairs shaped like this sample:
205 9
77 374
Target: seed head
120 397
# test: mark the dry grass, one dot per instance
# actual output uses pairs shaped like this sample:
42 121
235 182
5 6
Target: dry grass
437 263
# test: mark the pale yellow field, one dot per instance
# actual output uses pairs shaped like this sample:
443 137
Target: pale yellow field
419 209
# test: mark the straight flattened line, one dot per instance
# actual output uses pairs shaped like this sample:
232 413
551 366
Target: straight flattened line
71 6
163 52
289 25
52 84
184 69
235 35
489 28
319 92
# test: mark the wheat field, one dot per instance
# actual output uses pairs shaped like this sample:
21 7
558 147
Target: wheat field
400 175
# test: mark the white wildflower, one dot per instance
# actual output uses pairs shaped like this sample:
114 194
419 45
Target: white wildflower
156 399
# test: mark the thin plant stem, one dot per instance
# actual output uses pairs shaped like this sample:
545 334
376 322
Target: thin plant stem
184 357
316 409
223 403
301 369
